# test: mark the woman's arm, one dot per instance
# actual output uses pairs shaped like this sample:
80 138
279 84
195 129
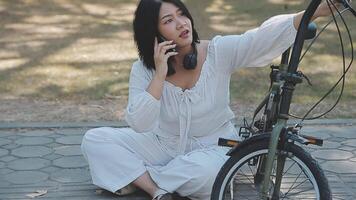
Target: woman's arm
160 57
322 11
259 46
156 86
143 108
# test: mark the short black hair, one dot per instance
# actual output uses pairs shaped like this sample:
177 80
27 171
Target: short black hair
145 27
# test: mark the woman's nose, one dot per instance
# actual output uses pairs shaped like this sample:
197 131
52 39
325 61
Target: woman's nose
181 23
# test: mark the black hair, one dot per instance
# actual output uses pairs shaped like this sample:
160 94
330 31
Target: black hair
145 27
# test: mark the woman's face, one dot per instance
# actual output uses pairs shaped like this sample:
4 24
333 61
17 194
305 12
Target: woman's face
174 25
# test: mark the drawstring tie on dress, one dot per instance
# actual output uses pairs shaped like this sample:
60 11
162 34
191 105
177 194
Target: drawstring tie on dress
188 98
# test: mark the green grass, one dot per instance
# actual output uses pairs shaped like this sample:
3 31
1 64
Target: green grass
84 49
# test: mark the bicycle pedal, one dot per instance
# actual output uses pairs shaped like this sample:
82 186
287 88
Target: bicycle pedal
312 140
227 142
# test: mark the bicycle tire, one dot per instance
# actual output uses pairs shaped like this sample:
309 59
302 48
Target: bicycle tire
302 157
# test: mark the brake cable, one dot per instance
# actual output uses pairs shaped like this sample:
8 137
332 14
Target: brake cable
344 70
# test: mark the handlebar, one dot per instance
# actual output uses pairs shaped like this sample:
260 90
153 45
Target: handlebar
299 40
289 84
303 30
346 4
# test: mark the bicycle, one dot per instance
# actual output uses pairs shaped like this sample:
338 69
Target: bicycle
271 163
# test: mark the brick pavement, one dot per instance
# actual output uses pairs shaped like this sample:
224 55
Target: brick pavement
50 159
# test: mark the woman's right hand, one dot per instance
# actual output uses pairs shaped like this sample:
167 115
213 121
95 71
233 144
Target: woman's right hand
161 56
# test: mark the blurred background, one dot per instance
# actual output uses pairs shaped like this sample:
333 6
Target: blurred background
69 61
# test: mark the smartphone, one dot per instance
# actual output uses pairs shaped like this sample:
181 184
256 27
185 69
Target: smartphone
171 69
162 39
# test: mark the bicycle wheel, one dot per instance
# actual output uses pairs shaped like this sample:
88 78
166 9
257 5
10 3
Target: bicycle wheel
302 178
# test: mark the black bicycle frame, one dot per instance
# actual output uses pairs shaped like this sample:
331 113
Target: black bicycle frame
290 81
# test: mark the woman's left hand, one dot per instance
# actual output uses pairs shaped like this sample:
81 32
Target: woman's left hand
324 10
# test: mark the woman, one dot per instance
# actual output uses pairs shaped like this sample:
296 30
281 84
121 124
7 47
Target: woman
178 103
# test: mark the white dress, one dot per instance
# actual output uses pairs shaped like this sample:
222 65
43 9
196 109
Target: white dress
175 138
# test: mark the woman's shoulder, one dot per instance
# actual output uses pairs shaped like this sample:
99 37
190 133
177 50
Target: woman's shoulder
210 44
139 68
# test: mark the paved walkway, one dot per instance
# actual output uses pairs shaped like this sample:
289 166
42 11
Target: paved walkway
50 159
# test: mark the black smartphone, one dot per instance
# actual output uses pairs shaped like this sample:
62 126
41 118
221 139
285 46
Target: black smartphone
162 39
171 69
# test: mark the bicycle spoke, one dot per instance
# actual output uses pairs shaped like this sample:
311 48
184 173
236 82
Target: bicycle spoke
238 193
251 169
252 182
288 169
297 182
293 183
300 192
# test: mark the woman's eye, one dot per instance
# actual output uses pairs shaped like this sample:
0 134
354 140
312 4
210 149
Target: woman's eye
168 21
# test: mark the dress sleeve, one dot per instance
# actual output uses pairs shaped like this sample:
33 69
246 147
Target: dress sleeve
143 109
256 47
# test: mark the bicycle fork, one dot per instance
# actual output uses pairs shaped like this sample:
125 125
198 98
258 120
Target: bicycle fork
268 163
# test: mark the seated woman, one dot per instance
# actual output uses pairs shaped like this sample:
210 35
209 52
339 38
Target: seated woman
178 102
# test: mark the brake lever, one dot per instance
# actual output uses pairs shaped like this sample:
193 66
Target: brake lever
346 4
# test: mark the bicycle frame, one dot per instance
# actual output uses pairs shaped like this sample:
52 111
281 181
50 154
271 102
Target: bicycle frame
288 83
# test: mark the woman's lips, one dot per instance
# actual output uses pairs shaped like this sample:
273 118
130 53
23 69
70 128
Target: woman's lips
184 34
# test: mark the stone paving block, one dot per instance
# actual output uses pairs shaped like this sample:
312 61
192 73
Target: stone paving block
21 188
315 132
50 169
332 154
31 151
4 152
10 146
341 197
4 133
38 132
337 139
73 131
20 194
76 139
2 165
331 145
351 142
13 137
344 132
4 183
53 145
347 148
33 140
71 175
6 171
340 189
28 164
81 192
55 136
340 167
52 156
327 145
349 178
72 150
42 184
8 158
70 162
25 177
4 141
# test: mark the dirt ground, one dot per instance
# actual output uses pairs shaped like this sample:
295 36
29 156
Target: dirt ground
112 109
69 61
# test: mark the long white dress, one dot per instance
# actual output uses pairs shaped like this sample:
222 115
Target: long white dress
175 138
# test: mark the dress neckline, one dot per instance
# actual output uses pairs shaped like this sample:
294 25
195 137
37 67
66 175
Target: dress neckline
202 73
